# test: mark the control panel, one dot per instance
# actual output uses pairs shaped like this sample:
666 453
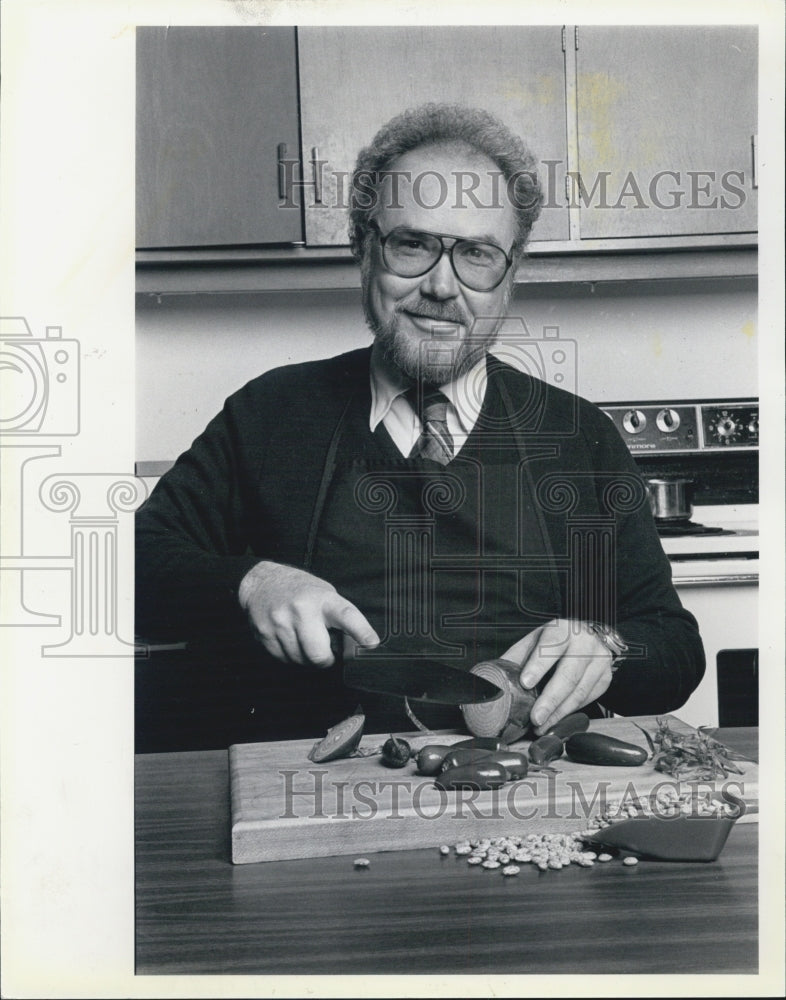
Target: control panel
669 428
731 425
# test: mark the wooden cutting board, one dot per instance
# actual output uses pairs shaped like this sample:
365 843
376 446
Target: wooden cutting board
284 806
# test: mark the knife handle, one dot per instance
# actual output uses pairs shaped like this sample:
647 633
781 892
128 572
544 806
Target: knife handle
337 645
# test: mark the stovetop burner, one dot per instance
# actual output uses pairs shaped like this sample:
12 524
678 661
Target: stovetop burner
672 528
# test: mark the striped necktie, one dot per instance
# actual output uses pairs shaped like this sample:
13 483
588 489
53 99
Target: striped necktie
435 441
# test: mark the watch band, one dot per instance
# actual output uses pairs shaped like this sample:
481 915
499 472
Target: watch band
611 639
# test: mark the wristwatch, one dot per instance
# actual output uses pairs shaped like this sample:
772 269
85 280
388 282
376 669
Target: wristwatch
611 639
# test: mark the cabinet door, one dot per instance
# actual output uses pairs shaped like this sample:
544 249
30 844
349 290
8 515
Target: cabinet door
666 127
352 80
213 104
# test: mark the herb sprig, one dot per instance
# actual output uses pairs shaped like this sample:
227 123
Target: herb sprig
692 756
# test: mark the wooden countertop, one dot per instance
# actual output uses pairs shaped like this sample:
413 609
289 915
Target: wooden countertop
414 911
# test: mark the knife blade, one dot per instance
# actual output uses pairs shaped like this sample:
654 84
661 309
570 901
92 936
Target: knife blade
419 680
413 678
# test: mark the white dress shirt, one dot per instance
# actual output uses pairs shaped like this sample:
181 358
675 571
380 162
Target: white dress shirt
390 406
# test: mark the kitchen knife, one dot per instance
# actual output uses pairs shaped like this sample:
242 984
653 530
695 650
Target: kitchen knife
412 678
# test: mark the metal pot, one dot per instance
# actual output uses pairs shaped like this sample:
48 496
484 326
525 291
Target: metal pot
671 499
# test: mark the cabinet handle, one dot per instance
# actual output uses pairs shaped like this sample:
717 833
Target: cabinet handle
754 161
282 171
316 166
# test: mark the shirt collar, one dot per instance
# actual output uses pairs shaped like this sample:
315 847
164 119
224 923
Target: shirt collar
387 384
466 393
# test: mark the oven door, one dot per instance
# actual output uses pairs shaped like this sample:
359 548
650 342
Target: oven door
723 596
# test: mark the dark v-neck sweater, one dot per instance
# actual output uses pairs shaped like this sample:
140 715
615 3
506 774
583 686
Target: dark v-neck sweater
444 561
542 514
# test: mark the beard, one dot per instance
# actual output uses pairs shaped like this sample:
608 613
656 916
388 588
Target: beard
434 360
456 344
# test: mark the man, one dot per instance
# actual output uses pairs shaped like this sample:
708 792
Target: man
421 497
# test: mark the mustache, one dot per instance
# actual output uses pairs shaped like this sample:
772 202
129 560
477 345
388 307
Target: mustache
446 312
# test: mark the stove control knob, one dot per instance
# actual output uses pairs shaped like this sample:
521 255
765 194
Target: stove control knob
667 421
634 421
725 427
753 425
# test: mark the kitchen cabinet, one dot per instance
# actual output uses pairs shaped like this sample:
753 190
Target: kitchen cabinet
354 79
213 106
666 130
646 136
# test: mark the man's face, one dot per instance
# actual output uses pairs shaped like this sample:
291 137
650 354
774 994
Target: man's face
434 327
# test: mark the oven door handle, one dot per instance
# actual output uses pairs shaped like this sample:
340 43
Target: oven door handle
720 580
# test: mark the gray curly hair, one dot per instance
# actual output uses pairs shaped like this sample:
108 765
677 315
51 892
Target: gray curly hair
440 125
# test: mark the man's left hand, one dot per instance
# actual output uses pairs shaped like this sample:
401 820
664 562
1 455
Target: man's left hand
582 669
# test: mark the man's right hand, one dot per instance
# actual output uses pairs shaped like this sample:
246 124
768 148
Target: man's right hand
291 611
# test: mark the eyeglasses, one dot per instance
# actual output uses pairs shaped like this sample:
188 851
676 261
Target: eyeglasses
411 253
